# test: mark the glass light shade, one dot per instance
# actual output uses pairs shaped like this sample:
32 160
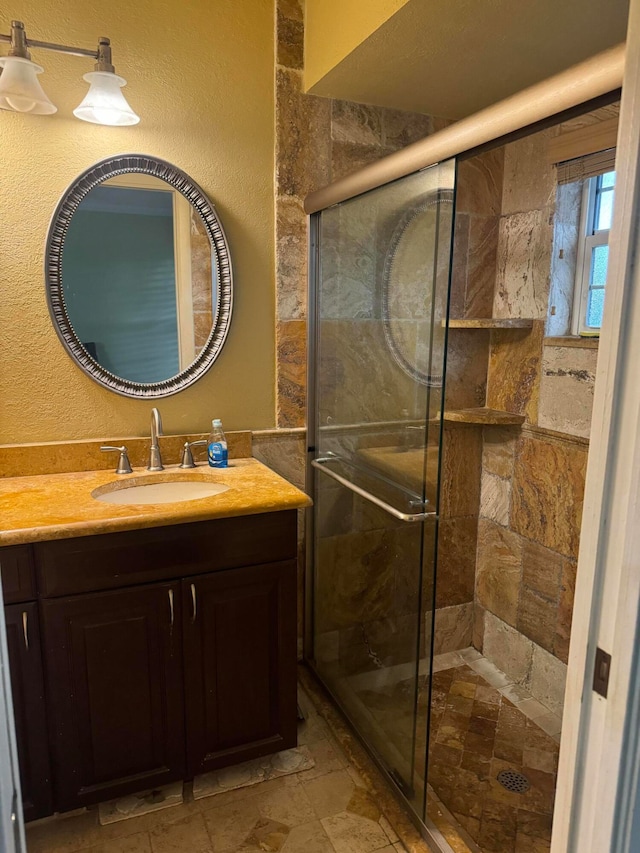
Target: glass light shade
20 90
104 103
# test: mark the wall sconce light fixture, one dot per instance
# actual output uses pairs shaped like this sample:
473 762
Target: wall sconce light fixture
21 91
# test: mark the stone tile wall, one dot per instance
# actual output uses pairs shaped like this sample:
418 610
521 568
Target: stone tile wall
319 140
513 527
566 389
551 385
526 228
285 452
368 568
477 216
566 225
526 559
532 481
457 538
508 538
526 663
477 221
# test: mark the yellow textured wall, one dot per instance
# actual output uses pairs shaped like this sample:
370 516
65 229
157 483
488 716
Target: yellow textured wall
200 75
333 28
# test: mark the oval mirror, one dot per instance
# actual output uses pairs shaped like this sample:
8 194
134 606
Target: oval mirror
419 250
139 279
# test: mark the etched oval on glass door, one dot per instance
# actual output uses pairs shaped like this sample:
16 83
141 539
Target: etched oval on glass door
415 258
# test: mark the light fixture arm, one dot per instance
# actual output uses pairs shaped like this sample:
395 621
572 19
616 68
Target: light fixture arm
21 92
20 47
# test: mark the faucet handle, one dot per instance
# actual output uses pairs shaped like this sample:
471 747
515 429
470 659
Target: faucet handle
124 466
187 455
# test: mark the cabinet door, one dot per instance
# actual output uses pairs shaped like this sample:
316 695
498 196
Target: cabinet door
240 664
17 573
114 675
27 688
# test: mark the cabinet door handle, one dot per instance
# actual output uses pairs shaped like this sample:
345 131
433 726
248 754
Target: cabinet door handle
171 605
25 629
194 607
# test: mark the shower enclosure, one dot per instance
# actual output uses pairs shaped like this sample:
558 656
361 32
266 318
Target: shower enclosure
380 269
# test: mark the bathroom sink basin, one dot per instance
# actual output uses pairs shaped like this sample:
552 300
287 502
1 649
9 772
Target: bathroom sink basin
159 489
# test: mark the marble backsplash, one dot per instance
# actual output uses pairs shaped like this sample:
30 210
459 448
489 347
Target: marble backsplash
61 457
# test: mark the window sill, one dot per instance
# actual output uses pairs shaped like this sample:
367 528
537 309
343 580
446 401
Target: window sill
572 341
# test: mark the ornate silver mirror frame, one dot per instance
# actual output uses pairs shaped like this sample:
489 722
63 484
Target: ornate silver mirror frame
222 308
435 199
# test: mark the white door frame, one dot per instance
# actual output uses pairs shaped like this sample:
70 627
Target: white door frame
592 753
12 837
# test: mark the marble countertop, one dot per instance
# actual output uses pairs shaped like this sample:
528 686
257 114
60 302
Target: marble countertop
60 506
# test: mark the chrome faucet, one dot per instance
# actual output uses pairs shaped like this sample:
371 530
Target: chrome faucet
155 459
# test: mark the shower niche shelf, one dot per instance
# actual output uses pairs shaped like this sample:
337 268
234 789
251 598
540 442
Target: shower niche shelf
483 416
490 323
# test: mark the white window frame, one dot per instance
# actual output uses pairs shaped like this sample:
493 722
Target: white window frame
588 239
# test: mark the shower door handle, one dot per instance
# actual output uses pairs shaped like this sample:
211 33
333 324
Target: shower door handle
320 464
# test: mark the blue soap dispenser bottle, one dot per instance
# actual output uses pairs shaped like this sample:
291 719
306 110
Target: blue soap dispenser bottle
217 449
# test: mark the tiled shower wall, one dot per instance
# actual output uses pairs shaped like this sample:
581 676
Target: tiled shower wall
477 218
505 578
317 140
511 510
532 480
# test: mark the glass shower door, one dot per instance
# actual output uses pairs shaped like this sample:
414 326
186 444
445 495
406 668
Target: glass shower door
377 350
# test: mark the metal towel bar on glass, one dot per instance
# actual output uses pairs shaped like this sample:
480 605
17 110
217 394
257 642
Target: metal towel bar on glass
321 464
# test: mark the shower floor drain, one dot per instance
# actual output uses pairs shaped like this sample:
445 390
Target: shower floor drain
513 781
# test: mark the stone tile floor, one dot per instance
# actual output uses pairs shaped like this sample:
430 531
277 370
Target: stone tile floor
476 732
481 723
326 809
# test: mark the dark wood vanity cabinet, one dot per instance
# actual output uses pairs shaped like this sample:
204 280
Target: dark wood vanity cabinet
114 666
240 679
168 652
27 689
18 574
27 678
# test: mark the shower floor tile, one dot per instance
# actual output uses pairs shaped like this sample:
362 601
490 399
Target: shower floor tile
477 732
481 724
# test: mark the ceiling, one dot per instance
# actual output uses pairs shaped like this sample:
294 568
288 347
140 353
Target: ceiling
450 58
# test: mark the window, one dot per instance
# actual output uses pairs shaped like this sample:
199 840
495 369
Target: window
593 253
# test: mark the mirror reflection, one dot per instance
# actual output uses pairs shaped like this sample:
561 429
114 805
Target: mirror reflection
139 278
413 321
